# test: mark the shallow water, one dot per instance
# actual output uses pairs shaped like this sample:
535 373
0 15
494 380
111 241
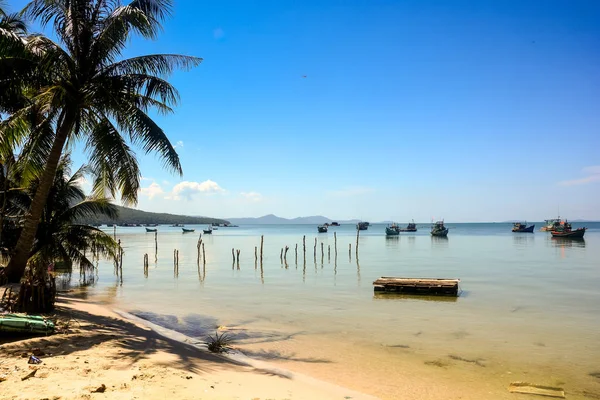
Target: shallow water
528 301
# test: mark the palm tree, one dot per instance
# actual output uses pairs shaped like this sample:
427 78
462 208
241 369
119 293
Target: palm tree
86 92
60 237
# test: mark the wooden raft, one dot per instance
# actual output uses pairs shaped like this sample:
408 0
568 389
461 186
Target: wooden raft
421 286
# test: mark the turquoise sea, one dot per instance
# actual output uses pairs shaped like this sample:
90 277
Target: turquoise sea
529 307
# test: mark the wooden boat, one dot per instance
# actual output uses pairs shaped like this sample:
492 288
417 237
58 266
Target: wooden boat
151 229
565 231
417 286
334 224
187 230
322 228
552 224
362 226
208 231
570 234
25 324
522 227
392 230
438 229
411 227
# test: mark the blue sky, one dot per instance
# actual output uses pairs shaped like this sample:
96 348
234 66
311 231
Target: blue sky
463 110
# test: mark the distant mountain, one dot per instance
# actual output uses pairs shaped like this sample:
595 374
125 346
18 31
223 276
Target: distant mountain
132 216
273 220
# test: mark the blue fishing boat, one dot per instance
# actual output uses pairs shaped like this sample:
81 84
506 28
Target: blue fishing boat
392 230
522 227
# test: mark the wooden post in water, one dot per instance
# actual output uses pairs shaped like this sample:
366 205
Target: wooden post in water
233 254
322 253
255 257
238 259
261 248
281 255
296 253
328 252
350 250
357 234
304 246
198 247
335 243
155 246
285 253
203 255
174 257
315 250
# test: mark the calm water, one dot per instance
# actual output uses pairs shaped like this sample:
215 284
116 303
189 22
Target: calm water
527 301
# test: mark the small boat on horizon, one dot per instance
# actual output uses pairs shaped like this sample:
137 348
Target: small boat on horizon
187 230
392 230
177 225
322 228
438 229
334 224
522 227
411 227
151 230
362 226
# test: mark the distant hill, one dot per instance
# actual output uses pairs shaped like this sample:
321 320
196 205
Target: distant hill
132 216
273 220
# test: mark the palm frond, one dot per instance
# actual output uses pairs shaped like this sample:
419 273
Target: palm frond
113 162
154 64
89 208
143 130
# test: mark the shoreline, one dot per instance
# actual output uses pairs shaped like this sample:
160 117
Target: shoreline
97 353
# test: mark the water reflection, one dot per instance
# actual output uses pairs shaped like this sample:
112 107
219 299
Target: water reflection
565 243
392 241
399 296
523 240
439 242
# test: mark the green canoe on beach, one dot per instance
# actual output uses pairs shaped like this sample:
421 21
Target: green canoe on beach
25 324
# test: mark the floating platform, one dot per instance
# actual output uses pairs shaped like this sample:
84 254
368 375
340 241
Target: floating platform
418 286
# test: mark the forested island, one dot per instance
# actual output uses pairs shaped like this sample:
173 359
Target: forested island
131 216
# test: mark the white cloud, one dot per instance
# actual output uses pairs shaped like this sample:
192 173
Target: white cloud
252 196
593 175
178 144
145 178
351 191
152 191
188 189
218 33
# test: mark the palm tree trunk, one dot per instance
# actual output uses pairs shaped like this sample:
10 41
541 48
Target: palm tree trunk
18 261
4 197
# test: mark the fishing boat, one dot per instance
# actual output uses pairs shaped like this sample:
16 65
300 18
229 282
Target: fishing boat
334 224
208 231
25 324
362 226
322 228
438 229
187 230
522 227
392 230
411 227
178 225
151 229
565 231
552 224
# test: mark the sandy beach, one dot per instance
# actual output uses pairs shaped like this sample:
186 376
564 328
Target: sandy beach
97 354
